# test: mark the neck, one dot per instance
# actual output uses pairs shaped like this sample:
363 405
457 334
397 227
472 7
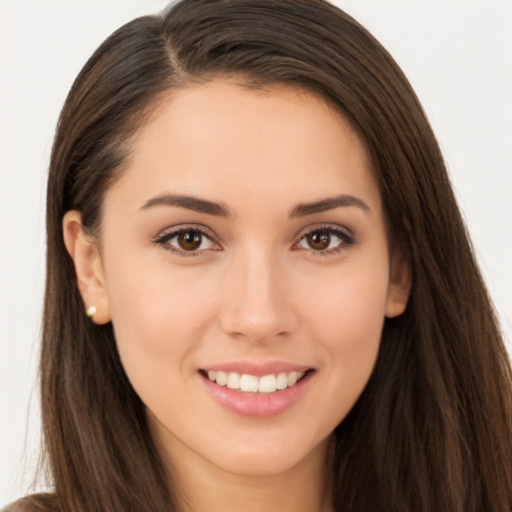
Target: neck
198 486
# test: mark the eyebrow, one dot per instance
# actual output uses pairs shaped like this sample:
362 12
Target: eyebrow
188 202
330 203
212 208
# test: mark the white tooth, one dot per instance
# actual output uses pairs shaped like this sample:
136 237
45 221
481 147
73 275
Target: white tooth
212 375
300 375
233 380
267 384
282 380
222 378
292 378
249 383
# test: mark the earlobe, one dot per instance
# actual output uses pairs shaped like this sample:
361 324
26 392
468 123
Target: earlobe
399 288
88 267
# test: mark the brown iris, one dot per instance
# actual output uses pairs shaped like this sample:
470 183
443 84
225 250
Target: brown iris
190 240
319 240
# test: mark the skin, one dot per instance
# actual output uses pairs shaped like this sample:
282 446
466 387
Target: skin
257 291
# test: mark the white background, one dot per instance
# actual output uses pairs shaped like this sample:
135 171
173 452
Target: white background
456 53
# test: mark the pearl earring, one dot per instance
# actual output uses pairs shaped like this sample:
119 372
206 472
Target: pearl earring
91 310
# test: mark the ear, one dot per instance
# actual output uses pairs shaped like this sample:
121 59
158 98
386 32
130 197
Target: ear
399 288
88 267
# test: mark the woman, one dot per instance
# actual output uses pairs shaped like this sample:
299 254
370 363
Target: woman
260 293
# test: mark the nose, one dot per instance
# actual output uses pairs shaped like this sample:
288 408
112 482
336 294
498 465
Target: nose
258 303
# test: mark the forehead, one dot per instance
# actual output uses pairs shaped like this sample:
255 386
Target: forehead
233 144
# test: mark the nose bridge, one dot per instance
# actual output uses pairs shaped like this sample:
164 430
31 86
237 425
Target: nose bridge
257 304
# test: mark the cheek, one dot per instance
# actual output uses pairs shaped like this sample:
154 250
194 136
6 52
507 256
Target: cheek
352 325
346 321
347 311
159 321
159 316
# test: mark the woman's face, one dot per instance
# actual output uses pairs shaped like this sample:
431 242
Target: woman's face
245 244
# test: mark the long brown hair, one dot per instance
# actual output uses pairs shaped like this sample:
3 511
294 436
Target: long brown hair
432 431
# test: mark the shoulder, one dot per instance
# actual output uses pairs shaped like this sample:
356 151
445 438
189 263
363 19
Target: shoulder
43 502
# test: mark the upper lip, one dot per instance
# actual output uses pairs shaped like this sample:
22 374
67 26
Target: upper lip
257 369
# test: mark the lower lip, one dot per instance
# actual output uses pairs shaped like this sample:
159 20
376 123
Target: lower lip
258 405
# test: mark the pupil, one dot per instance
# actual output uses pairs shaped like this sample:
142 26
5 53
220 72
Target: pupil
319 240
190 240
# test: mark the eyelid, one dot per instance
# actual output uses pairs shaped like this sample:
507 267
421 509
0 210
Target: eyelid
169 233
341 232
345 234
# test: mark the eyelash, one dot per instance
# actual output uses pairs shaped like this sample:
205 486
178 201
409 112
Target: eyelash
347 240
164 239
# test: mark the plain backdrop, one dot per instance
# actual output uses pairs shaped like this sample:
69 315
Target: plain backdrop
456 53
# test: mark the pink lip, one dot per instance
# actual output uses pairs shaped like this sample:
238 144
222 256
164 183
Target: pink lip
257 405
258 369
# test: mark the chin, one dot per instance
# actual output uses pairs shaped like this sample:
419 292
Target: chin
269 457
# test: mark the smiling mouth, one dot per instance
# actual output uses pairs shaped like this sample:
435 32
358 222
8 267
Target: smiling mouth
247 383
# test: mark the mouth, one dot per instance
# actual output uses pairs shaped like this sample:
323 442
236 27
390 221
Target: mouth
257 390
247 383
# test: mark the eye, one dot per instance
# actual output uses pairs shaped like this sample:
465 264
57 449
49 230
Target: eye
325 240
187 241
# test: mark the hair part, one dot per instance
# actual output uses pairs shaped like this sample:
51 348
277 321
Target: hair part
433 428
